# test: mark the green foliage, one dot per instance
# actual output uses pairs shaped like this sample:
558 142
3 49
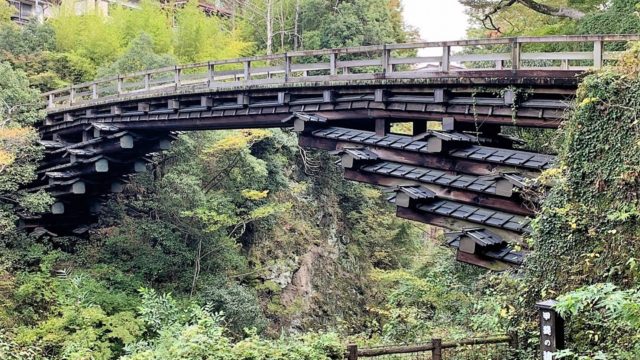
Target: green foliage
25 40
89 35
199 37
20 107
605 321
619 18
6 11
238 304
140 55
355 23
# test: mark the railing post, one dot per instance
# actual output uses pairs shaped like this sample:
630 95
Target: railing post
598 54
211 74
516 51
352 352
176 79
72 95
119 86
51 102
247 70
287 67
387 67
436 353
94 91
333 69
147 81
446 54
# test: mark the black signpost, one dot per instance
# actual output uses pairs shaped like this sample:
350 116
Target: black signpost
551 330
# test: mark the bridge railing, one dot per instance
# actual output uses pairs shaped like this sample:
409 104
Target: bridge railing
394 61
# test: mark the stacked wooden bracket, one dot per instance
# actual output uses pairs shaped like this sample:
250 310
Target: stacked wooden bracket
471 183
462 174
80 174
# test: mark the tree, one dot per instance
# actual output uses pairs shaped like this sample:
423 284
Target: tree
20 107
486 10
140 55
6 11
199 37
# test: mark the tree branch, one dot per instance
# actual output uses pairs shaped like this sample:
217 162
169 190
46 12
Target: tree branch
564 12
492 8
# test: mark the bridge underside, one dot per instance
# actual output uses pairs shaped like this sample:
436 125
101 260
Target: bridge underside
457 170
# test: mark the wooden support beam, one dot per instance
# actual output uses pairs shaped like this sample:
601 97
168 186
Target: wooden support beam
452 124
440 96
144 107
489 264
116 110
329 96
173 104
455 224
206 101
126 142
434 161
102 166
283 98
496 202
383 127
243 99
57 208
510 97
381 95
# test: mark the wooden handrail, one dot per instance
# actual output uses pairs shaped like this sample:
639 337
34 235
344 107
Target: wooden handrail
377 56
436 345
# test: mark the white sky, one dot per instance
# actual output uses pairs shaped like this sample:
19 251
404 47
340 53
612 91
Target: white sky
437 20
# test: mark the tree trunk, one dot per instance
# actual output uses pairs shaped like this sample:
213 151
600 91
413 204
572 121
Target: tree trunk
296 43
269 27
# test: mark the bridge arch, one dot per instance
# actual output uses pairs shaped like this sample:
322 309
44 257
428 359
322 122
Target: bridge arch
462 174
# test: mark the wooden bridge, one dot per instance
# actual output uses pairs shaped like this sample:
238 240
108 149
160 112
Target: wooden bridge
457 169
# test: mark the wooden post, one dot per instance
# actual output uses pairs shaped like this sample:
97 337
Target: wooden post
387 68
382 127
247 70
147 81
51 101
446 54
516 50
287 67
598 54
436 353
551 330
94 91
352 352
72 95
333 64
119 85
211 74
176 79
